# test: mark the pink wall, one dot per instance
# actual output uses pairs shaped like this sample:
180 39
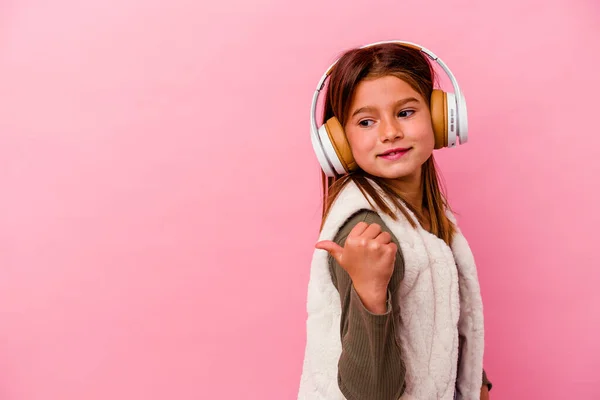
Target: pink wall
141 256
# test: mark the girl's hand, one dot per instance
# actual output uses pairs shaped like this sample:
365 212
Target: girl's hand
368 256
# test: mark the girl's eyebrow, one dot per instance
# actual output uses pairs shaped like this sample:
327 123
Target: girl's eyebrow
398 103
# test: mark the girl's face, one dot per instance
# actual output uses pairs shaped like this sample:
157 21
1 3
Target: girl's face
389 129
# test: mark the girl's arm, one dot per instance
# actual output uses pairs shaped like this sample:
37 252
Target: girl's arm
370 366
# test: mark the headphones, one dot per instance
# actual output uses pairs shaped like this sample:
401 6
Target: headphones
448 116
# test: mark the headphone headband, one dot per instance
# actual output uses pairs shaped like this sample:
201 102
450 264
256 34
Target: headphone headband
461 109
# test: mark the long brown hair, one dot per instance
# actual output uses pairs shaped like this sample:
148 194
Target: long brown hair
411 66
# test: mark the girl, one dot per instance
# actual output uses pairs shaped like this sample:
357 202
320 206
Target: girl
394 306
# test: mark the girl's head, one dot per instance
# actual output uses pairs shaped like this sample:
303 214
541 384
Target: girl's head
381 96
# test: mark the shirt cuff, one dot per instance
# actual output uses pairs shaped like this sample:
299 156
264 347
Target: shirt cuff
357 304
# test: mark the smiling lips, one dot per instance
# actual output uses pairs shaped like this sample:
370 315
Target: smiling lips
394 154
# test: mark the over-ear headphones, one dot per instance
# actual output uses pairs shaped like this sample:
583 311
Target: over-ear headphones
448 116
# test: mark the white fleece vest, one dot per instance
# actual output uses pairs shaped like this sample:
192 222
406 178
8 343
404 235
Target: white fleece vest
438 300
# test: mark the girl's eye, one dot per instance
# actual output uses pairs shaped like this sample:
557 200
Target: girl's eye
365 123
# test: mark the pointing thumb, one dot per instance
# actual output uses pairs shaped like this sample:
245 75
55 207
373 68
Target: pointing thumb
332 248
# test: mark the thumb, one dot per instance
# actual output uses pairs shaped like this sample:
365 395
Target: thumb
332 248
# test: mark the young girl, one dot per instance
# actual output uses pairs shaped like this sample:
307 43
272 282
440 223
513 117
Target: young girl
394 306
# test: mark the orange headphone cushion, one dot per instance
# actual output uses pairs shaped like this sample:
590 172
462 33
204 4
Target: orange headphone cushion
439 118
340 143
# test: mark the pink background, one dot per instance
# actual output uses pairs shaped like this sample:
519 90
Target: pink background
160 196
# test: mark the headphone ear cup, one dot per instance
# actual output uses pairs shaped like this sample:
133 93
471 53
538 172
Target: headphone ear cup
439 117
320 151
340 144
